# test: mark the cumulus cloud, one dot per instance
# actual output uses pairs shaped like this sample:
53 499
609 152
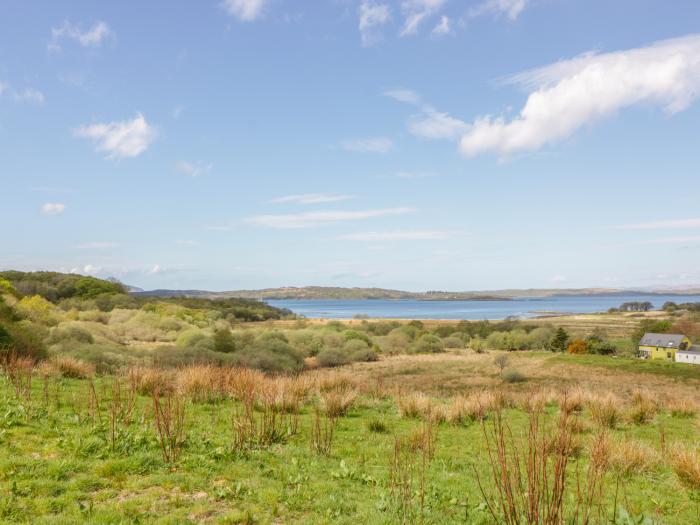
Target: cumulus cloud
88 269
573 93
245 10
311 198
193 169
371 16
369 145
92 37
319 218
416 12
509 8
53 208
400 235
661 225
558 279
128 138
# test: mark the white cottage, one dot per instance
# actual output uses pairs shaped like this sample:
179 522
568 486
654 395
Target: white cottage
690 355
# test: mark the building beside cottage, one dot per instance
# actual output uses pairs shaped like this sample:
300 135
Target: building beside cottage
663 346
691 355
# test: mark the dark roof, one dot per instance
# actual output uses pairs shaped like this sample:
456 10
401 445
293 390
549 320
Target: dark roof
694 350
664 340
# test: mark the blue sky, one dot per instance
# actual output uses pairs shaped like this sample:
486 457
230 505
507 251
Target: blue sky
413 144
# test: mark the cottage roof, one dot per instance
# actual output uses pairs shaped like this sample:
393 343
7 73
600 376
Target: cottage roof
663 340
693 350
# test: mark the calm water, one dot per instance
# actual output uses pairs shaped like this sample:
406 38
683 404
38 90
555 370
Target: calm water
471 310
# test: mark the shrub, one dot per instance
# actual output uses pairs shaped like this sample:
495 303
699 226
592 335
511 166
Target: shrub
350 335
332 357
577 347
23 339
306 342
395 342
513 376
560 341
358 350
428 343
69 333
452 342
223 341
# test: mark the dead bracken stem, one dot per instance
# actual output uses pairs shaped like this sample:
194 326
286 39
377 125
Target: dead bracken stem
169 419
322 432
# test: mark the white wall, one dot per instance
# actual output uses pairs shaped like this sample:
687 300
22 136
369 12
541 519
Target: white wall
683 357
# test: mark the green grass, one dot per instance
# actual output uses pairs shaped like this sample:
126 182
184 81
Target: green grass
625 364
57 467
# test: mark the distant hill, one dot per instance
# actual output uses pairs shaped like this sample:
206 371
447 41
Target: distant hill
328 292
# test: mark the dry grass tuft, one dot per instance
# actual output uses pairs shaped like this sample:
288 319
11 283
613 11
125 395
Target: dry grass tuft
420 406
604 409
75 368
572 401
686 464
337 402
682 407
149 380
631 457
644 408
203 383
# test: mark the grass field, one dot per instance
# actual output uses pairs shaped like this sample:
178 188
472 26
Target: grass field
81 451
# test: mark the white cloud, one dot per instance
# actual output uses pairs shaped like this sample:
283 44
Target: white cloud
406 96
442 27
245 10
510 8
558 279
97 245
416 11
185 242
157 269
319 218
311 198
433 124
573 93
88 269
371 16
369 145
400 235
123 139
193 169
27 95
660 225
93 37
177 111
53 208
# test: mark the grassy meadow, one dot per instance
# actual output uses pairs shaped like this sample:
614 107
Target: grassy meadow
123 409
205 444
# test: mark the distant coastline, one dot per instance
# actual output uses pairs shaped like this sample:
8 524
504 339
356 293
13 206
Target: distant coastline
338 293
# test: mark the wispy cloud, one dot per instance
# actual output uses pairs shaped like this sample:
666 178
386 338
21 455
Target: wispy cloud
53 208
574 93
320 218
245 10
443 26
372 16
661 225
193 169
558 279
30 95
311 198
406 96
185 242
399 235
128 138
413 175
509 8
97 245
369 145
416 12
92 37
433 124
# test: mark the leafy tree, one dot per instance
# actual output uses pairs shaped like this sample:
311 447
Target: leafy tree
428 343
560 341
501 361
6 287
650 325
224 342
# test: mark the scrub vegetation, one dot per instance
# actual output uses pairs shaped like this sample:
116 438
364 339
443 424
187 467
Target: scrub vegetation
123 409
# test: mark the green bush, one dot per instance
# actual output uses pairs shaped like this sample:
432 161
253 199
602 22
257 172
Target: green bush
428 343
358 350
332 357
223 341
452 342
351 335
513 376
